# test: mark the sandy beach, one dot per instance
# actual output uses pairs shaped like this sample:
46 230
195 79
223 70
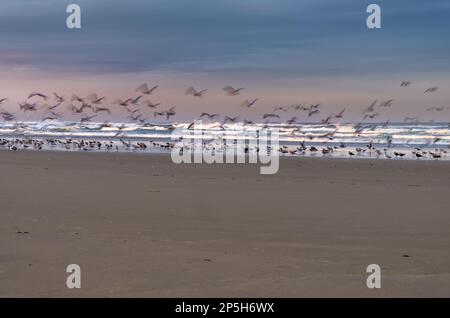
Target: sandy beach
141 226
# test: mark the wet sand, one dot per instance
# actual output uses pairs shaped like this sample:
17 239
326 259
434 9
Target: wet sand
141 226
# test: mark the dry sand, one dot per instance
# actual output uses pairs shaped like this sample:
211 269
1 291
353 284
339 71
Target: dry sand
141 226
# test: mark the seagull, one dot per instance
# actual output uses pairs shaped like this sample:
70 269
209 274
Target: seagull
387 103
58 98
144 89
231 91
249 104
438 109
371 116
291 121
27 107
192 91
271 115
76 98
405 84
210 116
431 90
340 115
148 103
95 99
7 116
313 112
43 96
135 101
2 100
371 108
229 119
167 113
102 109
122 103
87 118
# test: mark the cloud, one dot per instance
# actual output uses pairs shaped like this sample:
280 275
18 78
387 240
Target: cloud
280 38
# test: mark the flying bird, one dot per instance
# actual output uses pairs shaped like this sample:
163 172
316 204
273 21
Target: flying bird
192 91
431 90
144 89
210 116
405 84
231 91
249 104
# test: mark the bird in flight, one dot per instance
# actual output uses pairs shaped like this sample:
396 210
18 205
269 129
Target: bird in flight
249 104
270 115
231 91
144 89
405 84
210 116
192 91
94 99
431 90
43 96
149 103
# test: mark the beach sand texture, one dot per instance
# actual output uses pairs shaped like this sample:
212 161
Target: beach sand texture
141 226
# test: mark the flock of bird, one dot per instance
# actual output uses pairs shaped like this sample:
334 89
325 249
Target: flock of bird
51 108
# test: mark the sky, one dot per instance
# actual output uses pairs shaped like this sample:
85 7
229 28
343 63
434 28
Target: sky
282 51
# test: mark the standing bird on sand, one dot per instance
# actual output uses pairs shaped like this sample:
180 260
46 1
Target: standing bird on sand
249 104
192 91
231 91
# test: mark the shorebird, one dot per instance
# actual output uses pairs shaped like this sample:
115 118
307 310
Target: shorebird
149 104
431 90
387 103
192 91
102 109
7 116
94 99
313 112
291 121
340 115
122 102
87 118
135 101
43 96
144 89
371 116
27 107
229 119
166 113
270 115
249 104
405 84
231 91
371 108
438 109
210 116
58 98
76 98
